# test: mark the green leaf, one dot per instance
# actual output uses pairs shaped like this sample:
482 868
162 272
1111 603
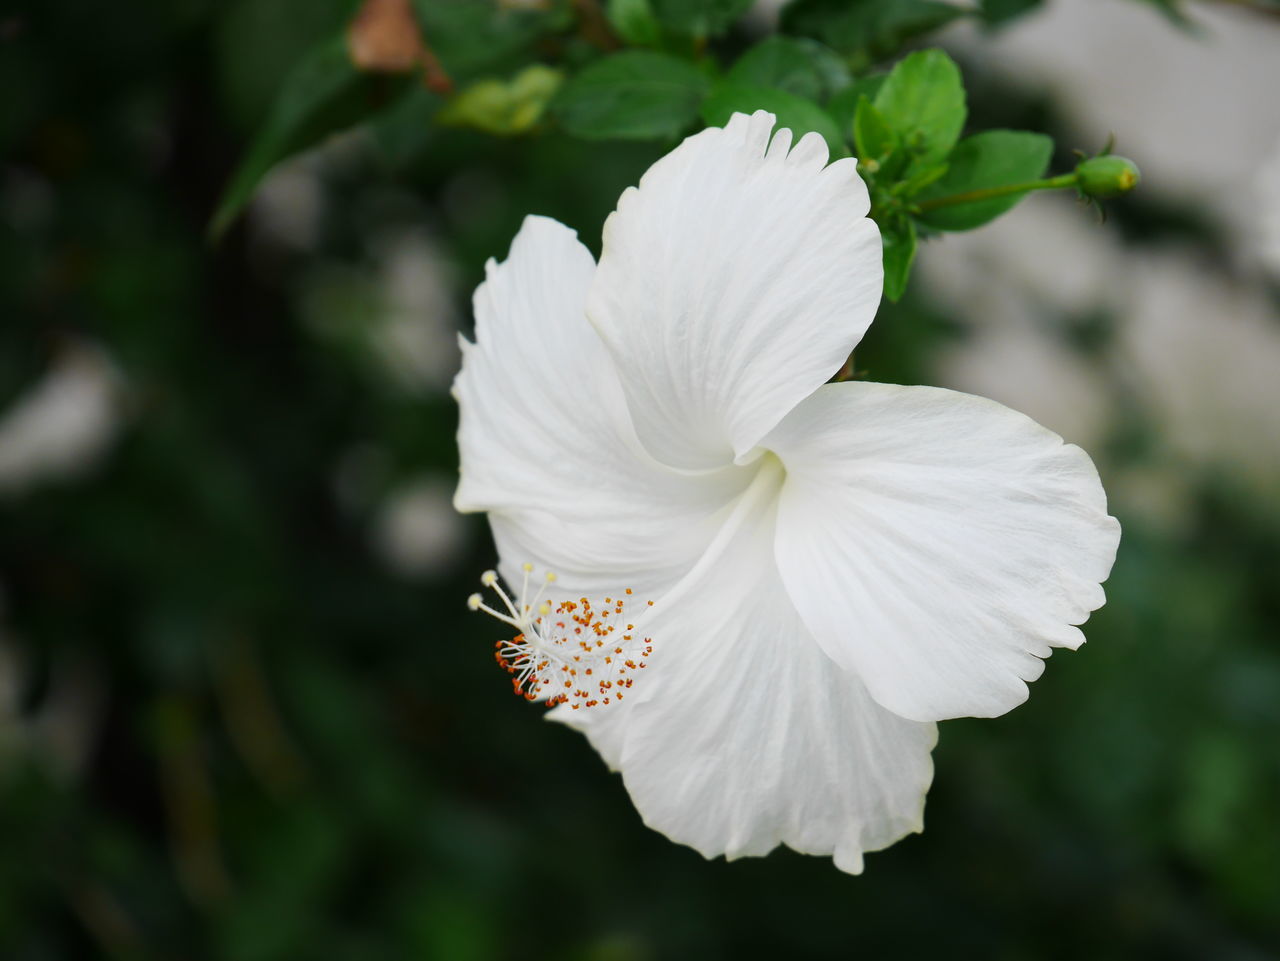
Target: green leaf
699 18
324 93
899 253
403 133
633 95
994 158
923 101
997 12
780 63
844 104
831 66
920 177
634 22
504 107
474 37
866 30
873 137
802 116
792 64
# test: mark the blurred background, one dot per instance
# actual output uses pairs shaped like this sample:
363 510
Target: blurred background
244 713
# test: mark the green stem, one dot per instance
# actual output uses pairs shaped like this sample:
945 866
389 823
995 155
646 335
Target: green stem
990 193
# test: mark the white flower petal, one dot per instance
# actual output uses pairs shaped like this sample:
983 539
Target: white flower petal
546 442
744 735
598 559
524 381
733 282
938 543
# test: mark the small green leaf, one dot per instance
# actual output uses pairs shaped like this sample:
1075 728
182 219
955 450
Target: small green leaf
873 137
323 93
831 66
483 105
792 64
699 18
780 63
993 158
634 22
532 90
866 30
997 12
844 104
504 107
921 177
802 116
403 133
899 253
923 101
474 37
632 95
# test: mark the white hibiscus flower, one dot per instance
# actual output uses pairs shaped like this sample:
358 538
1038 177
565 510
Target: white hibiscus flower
835 566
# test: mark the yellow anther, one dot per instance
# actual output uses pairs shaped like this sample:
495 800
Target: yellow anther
526 567
489 578
474 602
551 577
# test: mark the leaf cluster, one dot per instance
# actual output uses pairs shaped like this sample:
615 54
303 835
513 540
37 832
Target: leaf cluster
906 127
657 69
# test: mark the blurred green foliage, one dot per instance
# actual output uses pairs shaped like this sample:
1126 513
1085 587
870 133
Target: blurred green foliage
232 730
905 136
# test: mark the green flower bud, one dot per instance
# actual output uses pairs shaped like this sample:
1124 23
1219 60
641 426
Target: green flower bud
1106 176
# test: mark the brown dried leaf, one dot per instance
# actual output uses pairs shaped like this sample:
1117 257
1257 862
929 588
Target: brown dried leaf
384 37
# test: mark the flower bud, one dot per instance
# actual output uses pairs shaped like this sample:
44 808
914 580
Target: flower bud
1106 176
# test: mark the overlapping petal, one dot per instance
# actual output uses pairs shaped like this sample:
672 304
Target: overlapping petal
545 438
744 735
836 567
938 544
733 281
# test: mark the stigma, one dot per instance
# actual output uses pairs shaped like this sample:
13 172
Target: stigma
578 652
